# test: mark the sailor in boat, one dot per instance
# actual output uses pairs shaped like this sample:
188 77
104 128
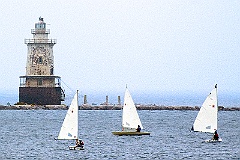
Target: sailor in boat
79 143
138 128
215 136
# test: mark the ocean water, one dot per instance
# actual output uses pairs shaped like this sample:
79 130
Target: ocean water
29 134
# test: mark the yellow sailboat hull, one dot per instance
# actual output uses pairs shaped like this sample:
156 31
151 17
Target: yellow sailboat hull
122 133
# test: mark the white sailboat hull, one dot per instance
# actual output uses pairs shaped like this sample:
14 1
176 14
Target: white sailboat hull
75 148
213 141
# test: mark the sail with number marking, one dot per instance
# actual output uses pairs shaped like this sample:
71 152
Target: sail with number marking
69 129
206 120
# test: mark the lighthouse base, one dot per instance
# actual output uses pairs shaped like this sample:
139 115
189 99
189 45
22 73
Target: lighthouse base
41 95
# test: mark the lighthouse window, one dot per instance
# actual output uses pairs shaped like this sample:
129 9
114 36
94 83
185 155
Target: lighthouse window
39 82
40 60
39 26
51 71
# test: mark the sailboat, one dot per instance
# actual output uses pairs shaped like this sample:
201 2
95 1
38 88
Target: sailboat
130 118
69 129
206 120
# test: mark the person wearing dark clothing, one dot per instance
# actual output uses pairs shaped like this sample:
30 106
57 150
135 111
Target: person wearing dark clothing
79 143
215 136
138 128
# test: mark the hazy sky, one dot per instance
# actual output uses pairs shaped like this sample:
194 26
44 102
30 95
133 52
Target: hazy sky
154 46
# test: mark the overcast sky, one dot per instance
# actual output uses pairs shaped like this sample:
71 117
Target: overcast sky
153 46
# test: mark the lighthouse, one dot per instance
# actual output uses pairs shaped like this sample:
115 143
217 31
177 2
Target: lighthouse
40 86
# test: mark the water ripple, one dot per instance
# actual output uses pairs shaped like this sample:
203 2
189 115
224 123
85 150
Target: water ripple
30 135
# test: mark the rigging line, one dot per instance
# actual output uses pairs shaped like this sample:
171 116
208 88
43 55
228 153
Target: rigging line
67 86
72 90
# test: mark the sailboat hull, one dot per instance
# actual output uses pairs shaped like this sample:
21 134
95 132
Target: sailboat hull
122 133
213 141
75 148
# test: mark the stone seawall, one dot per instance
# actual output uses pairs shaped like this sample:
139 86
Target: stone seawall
109 107
153 107
34 107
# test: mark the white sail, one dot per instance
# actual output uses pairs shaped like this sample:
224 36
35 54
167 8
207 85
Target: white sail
206 120
130 118
69 129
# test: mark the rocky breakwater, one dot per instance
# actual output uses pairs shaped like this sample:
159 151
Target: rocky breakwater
152 107
110 107
34 107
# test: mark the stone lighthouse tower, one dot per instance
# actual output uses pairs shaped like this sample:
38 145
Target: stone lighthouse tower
40 85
